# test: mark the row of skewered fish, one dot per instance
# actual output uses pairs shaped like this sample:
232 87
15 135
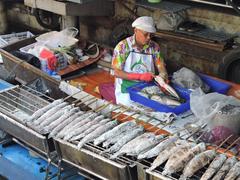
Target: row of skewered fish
188 158
69 123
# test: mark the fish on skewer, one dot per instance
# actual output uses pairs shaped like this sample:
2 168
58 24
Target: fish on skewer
41 111
160 147
100 130
178 161
139 144
81 120
58 128
166 153
234 172
55 123
217 163
227 165
116 138
91 129
49 113
55 116
82 128
115 131
198 162
125 139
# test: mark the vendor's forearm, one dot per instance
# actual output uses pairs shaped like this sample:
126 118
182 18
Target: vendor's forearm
120 74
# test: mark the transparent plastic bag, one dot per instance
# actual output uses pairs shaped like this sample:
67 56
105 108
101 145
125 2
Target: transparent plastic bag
55 39
216 110
188 79
70 32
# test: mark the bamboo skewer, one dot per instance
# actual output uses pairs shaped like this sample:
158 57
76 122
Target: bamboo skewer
71 95
223 142
95 100
76 101
82 102
130 116
118 114
234 142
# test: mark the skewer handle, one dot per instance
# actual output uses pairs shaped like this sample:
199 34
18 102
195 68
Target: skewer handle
71 95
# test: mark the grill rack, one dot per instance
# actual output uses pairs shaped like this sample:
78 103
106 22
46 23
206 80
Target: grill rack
17 104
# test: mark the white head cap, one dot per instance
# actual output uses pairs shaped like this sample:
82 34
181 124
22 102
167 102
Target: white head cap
145 23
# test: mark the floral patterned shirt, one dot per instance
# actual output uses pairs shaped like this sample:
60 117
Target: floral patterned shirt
122 51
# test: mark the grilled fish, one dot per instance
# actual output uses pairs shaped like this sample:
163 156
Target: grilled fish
66 115
178 161
117 137
166 153
81 129
234 172
160 147
78 122
215 165
55 116
139 144
41 111
115 131
125 139
198 162
49 113
58 128
100 130
91 129
227 165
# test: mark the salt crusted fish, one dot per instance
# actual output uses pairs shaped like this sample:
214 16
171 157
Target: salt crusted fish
49 113
160 147
215 165
166 153
115 131
81 129
139 144
55 116
66 115
100 130
198 162
178 161
125 139
58 128
117 137
234 172
227 165
41 111
90 130
78 122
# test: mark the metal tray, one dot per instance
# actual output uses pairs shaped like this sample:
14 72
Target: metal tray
93 163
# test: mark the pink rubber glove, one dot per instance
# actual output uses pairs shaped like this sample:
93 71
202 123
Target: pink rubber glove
142 77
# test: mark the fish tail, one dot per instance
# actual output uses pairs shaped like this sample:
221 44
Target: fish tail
80 145
114 156
152 168
182 177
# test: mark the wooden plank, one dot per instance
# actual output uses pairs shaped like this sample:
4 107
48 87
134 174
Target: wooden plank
73 67
191 41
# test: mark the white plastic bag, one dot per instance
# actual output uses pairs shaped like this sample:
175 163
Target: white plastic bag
188 79
55 39
216 109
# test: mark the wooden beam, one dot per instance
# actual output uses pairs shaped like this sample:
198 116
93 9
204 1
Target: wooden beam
191 40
